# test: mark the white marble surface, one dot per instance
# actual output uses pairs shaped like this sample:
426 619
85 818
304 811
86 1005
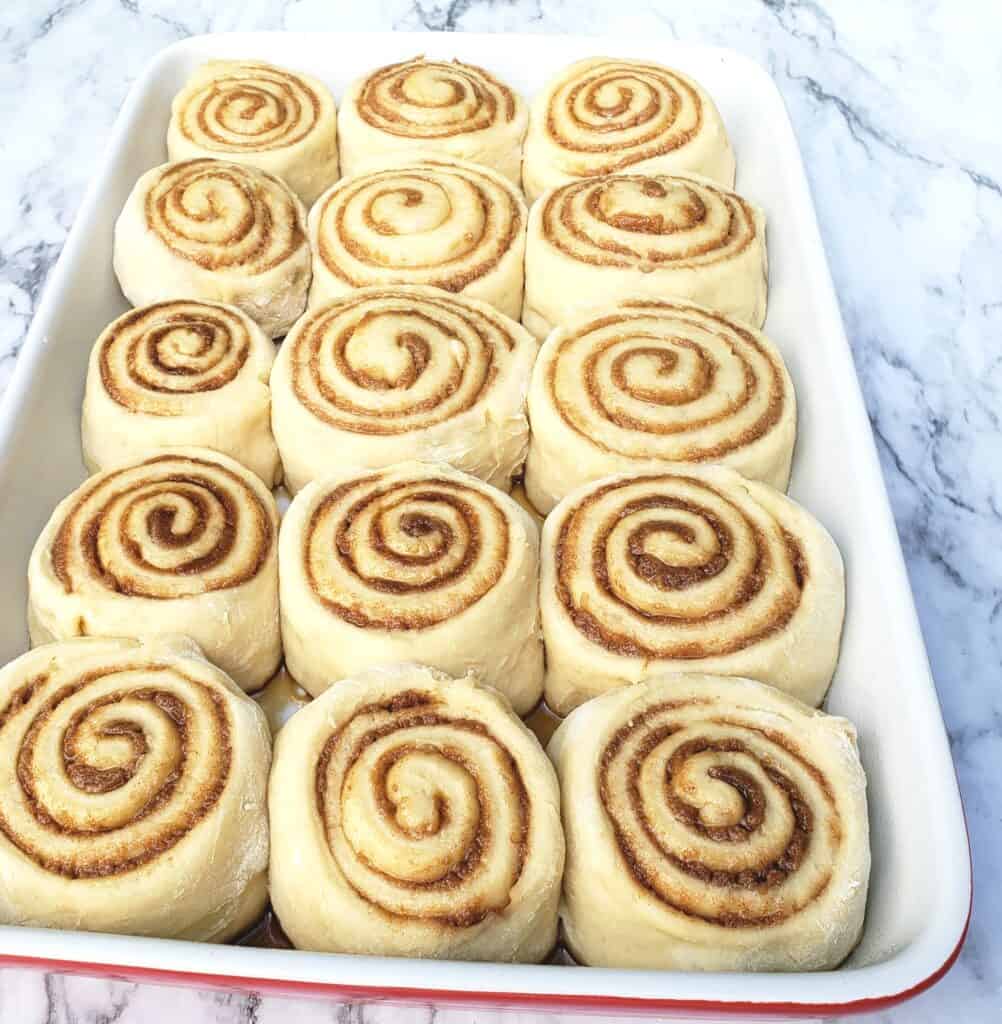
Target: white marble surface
896 108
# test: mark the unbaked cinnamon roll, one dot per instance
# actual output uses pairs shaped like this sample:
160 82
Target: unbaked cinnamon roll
182 542
688 569
712 824
629 236
663 381
415 562
180 373
415 815
134 780
210 229
398 372
421 220
259 115
433 108
605 115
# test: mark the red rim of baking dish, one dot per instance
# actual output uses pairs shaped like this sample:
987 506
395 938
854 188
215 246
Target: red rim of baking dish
501 1000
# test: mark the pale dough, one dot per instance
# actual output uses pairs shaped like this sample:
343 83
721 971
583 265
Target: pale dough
400 372
183 542
712 824
415 815
415 562
421 220
134 779
216 230
605 115
433 108
599 241
661 380
259 115
180 373
687 569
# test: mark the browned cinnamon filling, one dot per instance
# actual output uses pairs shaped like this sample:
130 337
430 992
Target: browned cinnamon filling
152 336
639 738
165 481
656 332
579 121
652 570
479 100
326 379
422 712
453 269
254 228
85 858
443 570
251 108
574 213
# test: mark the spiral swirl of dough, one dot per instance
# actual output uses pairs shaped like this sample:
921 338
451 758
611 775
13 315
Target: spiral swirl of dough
735 815
119 760
657 380
443 107
693 567
152 359
435 835
631 236
410 554
446 223
478 817
604 116
183 542
170 527
416 561
180 373
648 222
396 372
87 819
248 105
430 99
224 216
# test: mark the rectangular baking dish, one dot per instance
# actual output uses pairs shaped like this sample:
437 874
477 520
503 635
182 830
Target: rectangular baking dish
921 884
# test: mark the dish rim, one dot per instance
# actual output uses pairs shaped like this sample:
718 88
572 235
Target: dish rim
34 944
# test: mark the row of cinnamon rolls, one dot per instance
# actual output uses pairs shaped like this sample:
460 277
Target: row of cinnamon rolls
670 568
689 822
631 165
599 116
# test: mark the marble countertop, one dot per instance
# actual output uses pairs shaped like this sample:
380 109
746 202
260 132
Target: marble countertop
895 105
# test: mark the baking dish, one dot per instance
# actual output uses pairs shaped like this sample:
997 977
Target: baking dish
921 882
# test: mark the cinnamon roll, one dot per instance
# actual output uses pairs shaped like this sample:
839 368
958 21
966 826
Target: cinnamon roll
259 115
433 108
663 381
182 542
180 373
605 115
209 229
415 815
398 372
414 562
687 569
134 780
712 824
421 220
596 242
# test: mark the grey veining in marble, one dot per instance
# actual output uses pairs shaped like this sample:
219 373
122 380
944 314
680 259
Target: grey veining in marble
896 107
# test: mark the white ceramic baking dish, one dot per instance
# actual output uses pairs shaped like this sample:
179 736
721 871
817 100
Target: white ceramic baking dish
921 883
